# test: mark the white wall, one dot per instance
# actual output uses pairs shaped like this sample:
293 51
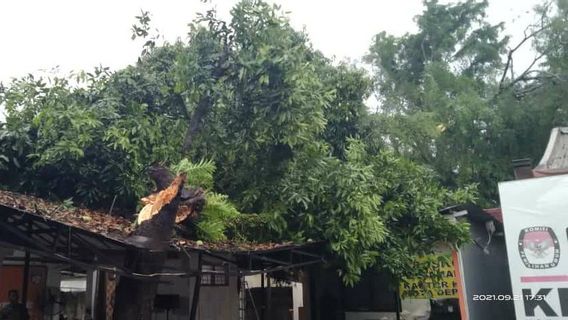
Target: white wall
297 291
215 303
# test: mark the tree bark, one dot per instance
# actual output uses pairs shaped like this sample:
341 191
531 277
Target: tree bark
134 296
205 102
196 121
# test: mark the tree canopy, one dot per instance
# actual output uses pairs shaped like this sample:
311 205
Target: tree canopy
451 100
281 138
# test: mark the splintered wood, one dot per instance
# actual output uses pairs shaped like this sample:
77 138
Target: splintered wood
184 210
155 202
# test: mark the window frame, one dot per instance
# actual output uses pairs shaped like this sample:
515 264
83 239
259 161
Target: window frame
215 272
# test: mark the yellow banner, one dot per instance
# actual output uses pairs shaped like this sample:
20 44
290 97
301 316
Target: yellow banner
440 283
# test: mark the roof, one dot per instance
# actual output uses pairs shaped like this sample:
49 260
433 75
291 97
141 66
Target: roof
555 158
230 246
89 238
113 227
496 213
118 228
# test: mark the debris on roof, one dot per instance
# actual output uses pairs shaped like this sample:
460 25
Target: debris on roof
94 221
119 228
231 246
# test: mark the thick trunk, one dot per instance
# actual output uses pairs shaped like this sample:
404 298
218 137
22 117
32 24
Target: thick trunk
134 295
196 121
205 103
192 199
134 298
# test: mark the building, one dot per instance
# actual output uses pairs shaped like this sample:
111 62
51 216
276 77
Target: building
485 262
65 259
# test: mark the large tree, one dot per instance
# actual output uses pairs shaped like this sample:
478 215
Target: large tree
292 142
451 99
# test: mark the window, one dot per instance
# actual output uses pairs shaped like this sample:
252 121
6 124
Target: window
214 275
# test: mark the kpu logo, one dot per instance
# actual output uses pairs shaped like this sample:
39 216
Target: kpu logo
539 247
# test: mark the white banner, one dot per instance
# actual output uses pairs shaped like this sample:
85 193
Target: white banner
535 217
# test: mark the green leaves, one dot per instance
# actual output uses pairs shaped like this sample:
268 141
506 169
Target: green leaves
218 213
369 207
82 142
198 174
289 141
437 87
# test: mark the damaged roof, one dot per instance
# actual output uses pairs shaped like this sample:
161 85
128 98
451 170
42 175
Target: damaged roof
118 228
113 227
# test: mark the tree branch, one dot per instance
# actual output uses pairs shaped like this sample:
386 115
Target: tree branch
509 63
204 104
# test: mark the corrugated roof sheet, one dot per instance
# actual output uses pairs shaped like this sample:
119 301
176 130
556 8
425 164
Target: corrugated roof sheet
113 227
118 228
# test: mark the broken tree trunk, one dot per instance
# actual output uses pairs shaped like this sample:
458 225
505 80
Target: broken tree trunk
192 201
135 293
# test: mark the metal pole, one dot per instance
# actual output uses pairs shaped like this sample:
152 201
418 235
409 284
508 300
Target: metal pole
196 289
398 303
263 306
268 297
26 278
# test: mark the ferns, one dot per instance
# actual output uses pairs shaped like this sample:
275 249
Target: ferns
218 211
198 174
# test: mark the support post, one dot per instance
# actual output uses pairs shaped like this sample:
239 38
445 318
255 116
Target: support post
268 313
91 294
263 306
197 288
398 302
26 279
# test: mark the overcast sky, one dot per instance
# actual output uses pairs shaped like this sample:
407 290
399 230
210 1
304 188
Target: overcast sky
75 34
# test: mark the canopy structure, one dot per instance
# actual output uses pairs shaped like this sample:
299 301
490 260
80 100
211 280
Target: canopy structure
96 240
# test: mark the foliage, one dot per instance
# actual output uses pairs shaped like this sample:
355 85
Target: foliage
198 174
218 212
66 142
441 103
296 150
251 226
374 209
216 216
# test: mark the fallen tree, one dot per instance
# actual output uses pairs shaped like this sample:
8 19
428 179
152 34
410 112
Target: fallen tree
171 204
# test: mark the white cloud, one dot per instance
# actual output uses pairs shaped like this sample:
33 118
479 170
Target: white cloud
79 35
83 34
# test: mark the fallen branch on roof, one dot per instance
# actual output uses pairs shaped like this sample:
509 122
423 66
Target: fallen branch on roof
134 297
192 199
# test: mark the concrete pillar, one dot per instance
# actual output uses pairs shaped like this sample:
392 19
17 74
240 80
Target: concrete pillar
297 298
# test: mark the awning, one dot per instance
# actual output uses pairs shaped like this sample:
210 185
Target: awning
91 239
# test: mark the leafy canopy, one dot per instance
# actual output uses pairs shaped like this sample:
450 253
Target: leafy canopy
297 155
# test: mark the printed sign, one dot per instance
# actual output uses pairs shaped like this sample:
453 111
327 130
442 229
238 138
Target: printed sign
535 217
439 284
